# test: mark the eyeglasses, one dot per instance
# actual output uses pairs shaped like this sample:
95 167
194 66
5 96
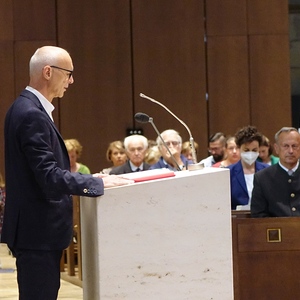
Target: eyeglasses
59 68
174 143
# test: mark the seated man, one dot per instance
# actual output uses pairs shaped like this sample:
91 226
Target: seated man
173 141
216 147
135 148
276 191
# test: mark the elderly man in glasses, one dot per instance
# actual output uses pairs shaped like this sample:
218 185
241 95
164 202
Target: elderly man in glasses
173 141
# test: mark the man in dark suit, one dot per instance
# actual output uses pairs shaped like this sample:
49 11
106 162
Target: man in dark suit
38 213
276 191
135 147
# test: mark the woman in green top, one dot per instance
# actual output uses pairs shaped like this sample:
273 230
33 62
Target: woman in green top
74 150
266 153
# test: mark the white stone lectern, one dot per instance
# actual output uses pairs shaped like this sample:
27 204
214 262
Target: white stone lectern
163 239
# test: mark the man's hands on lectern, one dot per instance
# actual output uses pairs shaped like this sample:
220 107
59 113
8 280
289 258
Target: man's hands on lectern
113 180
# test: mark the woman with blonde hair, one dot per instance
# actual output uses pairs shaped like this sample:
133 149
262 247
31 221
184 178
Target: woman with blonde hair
115 154
75 150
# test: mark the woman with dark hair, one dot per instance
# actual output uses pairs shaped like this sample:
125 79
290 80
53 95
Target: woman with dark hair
266 153
248 140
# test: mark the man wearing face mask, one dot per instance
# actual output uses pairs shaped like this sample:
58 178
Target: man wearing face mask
248 140
276 191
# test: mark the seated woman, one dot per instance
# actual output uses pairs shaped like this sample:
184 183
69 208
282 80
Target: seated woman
266 153
75 150
232 154
116 155
248 140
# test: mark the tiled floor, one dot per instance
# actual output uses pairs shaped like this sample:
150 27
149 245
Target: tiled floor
8 281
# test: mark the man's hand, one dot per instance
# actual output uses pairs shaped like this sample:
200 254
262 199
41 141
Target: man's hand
113 180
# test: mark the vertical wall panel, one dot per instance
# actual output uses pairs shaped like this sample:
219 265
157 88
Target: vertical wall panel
6 20
169 65
97 108
270 83
228 83
34 20
267 16
226 17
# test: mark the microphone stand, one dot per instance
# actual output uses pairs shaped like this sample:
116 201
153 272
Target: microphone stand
192 144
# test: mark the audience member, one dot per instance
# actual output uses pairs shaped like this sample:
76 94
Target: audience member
232 154
153 154
216 147
75 150
276 191
266 153
135 148
38 217
173 141
2 201
248 140
187 150
116 154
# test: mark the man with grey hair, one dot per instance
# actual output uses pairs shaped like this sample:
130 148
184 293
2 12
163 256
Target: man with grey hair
174 142
135 147
276 191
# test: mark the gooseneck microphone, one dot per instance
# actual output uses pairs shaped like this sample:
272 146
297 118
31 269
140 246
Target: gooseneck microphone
143 118
192 144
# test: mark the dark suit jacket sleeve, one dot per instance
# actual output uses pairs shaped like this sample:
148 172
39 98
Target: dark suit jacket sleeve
123 169
47 158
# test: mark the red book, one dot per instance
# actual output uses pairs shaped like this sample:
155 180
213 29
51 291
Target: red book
149 175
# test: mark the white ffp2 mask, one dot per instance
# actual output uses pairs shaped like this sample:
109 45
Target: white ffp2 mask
249 157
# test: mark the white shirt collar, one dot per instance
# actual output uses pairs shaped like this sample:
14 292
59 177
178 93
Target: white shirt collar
286 169
133 167
48 106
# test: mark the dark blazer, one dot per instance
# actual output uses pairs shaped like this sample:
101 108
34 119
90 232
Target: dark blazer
275 193
125 168
161 164
38 208
239 192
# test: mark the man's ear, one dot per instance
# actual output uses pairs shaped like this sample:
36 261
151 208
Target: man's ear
47 72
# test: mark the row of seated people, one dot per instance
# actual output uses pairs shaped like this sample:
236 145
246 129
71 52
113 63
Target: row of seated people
245 154
259 181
